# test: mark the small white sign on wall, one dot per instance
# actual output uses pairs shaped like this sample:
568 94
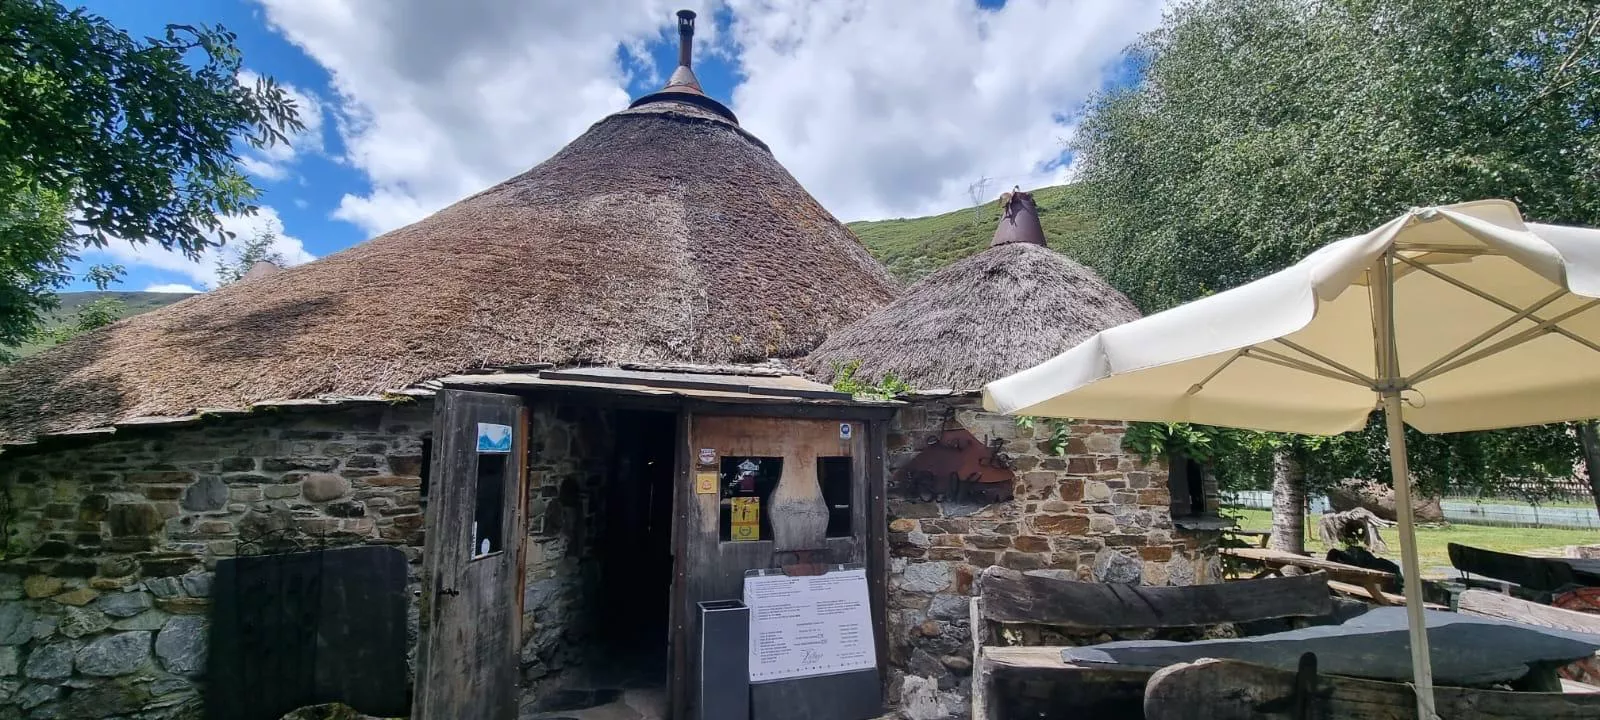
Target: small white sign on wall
803 626
846 430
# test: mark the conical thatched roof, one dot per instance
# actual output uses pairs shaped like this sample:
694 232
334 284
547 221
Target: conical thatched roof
1005 309
664 233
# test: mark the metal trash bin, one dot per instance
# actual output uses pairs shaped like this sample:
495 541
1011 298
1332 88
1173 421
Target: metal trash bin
722 685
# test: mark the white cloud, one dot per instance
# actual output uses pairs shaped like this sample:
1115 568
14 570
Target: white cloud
896 108
273 162
880 107
204 272
172 288
440 100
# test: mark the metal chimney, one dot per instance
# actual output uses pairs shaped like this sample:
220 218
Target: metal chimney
1019 220
685 38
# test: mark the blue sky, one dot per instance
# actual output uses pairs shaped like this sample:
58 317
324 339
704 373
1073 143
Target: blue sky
882 109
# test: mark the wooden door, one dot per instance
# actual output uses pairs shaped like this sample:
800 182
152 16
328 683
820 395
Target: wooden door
472 559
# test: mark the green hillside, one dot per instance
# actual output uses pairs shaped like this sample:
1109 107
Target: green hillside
133 303
914 247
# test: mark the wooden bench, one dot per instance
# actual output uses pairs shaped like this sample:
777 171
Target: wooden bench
1274 561
1261 536
1536 577
1034 681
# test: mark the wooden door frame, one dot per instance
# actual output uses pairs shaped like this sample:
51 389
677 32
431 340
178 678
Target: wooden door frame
868 457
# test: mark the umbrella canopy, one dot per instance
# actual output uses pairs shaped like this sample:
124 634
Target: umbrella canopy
1472 317
1494 323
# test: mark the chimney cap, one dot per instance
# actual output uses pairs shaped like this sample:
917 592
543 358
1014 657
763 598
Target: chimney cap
1019 220
683 86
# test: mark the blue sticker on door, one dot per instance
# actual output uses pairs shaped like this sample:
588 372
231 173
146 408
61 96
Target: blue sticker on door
494 438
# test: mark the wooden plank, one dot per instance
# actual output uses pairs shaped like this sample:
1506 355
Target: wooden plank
1542 574
981 675
684 514
877 539
1033 682
1230 690
1505 607
1279 559
1012 597
470 671
1366 593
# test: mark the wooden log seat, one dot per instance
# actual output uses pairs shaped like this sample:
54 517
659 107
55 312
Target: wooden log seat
1034 681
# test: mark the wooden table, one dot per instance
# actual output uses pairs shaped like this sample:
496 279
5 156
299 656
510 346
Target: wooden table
1274 561
1261 536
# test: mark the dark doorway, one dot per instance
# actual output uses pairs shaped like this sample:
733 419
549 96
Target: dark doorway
635 568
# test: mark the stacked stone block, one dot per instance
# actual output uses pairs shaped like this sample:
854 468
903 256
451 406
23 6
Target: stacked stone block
106 583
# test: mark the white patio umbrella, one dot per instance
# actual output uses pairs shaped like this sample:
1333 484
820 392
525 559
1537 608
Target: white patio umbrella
1465 313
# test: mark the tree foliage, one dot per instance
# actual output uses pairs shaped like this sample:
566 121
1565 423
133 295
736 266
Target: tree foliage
1262 129
244 255
133 139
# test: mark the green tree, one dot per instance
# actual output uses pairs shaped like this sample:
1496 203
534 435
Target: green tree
1262 129
256 248
133 139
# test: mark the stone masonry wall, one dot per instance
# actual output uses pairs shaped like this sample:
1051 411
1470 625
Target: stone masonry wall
568 460
105 588
1094 513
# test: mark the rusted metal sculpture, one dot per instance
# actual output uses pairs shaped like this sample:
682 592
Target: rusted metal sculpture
956 467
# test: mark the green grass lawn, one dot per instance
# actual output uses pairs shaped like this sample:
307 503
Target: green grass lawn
1431 541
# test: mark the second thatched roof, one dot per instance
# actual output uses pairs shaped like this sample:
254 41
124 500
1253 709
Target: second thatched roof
1005 309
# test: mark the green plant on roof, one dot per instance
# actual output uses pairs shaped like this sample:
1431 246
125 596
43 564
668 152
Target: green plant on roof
846 380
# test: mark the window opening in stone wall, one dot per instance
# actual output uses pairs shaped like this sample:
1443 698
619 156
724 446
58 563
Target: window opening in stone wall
1186 485
488 535
747 484
833 474
427 463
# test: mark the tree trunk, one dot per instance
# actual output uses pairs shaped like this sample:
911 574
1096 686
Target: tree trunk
1589 433
1288 502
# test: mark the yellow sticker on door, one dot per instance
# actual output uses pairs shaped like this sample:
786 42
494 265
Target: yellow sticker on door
746 519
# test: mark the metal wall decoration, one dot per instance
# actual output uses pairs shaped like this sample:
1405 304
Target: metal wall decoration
956 467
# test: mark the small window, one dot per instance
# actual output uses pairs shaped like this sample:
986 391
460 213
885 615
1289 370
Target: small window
488 535
833 475
427 463
1186 485
746 488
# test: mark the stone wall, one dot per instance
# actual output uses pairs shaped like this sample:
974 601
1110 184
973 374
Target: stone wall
1093 513
568 455
107 578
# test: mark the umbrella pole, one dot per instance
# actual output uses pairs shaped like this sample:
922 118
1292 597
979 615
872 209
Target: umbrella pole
1421 665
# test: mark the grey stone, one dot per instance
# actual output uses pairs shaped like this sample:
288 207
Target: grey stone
123 604
104 700
1052 573
10 659
9 688
168 686
206 494
114 655
44 626
928 666
197 584
541 594
16 623
164 587
35 695
10 586
927 577
950 607
50 662
79 622
181 645
1114 567
1179 570
149 620
322 487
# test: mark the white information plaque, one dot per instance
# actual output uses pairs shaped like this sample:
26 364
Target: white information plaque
804 626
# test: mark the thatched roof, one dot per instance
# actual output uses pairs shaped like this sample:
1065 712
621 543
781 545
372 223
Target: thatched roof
664 233
1005 309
